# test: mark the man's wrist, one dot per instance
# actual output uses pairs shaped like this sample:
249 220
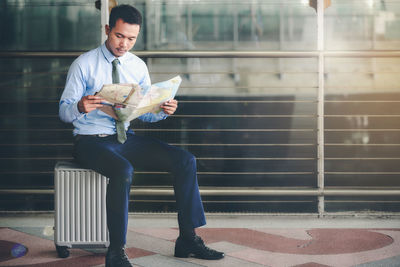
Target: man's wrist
77 111
78 106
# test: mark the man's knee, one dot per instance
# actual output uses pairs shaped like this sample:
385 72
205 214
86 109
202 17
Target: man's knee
124 174
187 158
121 174
186 161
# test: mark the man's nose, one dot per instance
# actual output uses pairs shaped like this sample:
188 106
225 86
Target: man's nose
123 42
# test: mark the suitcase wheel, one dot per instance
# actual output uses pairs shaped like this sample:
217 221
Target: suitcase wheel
62 251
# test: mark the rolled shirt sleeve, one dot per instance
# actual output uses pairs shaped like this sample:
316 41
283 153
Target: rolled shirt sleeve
151 117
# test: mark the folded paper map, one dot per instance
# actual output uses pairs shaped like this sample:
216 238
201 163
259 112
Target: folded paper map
126 102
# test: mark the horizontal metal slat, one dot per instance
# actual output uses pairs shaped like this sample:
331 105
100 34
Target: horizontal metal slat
174 54
219 54
241 192
200 151
204 165
269 137
199 122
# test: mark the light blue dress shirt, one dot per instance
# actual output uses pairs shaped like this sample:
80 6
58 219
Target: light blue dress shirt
86 76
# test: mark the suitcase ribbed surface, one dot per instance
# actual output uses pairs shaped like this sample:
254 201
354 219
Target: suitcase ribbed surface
80 206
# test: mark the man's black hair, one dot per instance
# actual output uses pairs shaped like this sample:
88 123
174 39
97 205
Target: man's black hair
127 13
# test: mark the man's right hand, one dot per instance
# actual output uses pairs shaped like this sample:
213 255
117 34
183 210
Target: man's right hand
89 103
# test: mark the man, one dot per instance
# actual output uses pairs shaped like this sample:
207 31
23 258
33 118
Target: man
99 147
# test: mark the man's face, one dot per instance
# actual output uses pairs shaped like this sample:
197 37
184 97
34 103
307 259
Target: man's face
122 37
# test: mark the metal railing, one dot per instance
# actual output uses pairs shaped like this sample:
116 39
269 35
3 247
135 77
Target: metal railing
320 192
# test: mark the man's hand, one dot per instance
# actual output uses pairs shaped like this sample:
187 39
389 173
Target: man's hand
89 103
170 106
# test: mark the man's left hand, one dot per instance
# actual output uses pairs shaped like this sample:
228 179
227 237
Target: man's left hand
170 106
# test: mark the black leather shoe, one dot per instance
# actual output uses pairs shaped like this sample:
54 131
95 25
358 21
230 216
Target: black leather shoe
116 257
196 248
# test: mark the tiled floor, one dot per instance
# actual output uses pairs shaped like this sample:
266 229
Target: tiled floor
246 241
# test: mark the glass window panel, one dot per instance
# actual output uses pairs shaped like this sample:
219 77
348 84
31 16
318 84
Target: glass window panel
27 79
232 25
359 77
362 25
49 25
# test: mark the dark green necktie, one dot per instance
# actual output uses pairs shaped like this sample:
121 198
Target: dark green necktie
119 125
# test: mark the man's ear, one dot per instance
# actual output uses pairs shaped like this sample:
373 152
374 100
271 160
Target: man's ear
108 29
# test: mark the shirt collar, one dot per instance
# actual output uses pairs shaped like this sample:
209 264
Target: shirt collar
109 56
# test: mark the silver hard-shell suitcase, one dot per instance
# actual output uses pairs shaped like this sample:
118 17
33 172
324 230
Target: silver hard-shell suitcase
80 208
